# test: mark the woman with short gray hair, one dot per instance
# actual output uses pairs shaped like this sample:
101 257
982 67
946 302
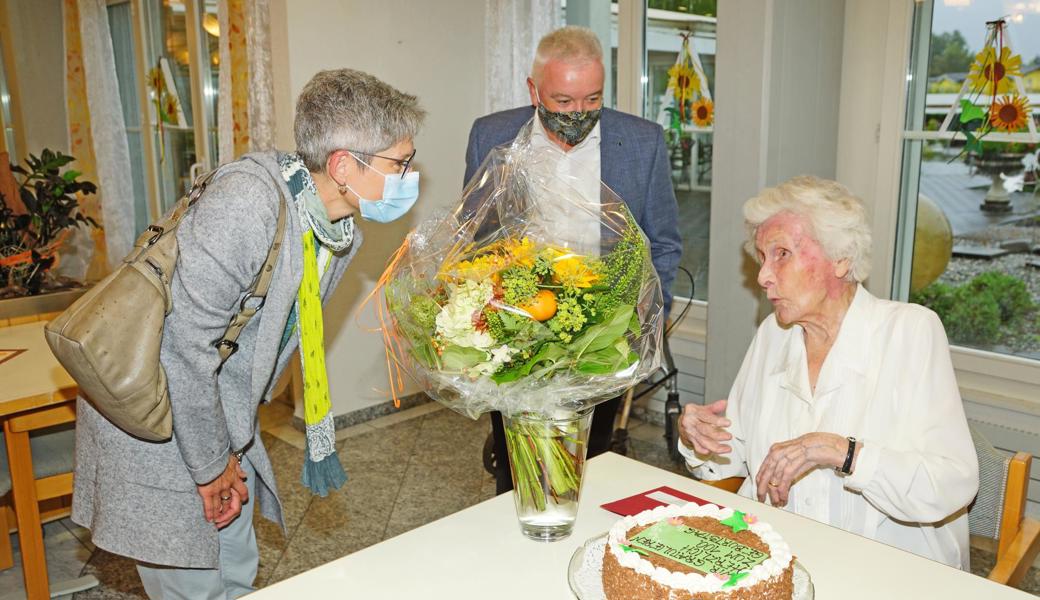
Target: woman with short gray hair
845 409
183 508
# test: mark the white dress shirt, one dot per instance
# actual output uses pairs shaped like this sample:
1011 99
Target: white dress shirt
888 381
569 200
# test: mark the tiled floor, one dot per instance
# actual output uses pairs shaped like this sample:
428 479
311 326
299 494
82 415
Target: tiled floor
405 470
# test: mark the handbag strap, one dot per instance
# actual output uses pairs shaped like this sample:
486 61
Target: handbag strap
255 296
169 223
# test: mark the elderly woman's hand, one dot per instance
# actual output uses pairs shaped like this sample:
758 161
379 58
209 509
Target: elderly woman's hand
701 428
788 461
223 497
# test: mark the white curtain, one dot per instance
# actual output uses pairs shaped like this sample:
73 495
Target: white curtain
261 84
108 131
513 28
225 120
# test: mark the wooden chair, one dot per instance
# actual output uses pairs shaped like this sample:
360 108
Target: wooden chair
52 445
52 450
998 512
730 484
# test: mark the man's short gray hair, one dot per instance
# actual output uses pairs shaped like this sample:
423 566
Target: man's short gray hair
348 109
570 43
837 218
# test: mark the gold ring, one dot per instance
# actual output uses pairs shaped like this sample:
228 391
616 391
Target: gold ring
773 484
225 499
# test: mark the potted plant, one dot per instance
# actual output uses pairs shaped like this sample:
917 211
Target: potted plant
35 225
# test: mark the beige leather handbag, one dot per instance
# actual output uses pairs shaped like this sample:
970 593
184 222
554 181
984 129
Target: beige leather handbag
115 359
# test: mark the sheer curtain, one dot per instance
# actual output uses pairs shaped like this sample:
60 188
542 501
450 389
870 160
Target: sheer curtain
108 130
246 97
513 28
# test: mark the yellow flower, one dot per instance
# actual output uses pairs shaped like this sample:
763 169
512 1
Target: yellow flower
703 112
683 80
477 269
572 271
988 71
520 252
155 79
1010 113
169 108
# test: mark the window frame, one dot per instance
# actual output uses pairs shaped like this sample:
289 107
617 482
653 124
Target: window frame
1002 379
200 117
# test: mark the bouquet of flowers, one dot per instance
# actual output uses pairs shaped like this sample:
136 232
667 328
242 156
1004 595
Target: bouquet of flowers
530 298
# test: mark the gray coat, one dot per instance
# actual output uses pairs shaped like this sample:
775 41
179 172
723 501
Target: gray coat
138 498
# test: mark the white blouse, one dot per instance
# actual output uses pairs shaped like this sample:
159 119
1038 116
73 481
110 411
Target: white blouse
888 381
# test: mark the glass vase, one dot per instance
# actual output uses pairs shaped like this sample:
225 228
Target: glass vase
547 460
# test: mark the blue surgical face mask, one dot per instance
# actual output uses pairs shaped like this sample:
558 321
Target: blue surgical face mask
399 195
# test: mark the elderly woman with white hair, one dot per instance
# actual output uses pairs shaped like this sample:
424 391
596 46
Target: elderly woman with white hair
183 509
845 409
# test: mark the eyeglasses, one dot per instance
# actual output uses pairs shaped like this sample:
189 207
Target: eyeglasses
404 163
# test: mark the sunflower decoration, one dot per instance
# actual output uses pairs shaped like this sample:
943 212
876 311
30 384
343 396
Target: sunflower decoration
683 80
991 74
1009 113
703 112
170 106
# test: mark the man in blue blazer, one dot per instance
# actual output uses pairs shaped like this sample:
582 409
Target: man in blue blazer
627 153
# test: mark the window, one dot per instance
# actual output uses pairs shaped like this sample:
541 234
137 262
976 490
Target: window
166 54
601 18
970 207
688 133
7 142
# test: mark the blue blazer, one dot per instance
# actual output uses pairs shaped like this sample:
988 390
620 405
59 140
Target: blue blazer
633 162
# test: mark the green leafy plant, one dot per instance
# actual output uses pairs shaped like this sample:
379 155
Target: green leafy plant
29 240
984 310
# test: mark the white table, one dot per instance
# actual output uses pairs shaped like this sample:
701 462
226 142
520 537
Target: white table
480 553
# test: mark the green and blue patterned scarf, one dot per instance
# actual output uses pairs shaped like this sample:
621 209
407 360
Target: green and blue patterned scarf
322 471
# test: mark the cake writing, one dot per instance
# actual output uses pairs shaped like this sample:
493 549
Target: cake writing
697 549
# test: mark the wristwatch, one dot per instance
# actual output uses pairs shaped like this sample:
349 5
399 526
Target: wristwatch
846 468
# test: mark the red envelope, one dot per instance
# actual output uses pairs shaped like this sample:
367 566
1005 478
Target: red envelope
661 496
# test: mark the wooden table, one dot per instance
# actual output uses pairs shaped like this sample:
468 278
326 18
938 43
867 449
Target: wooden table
480 553
35 392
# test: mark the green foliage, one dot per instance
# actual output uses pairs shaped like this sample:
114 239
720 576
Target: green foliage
542 266
569 318
51 205
949 54
495 326
519 285
1010 294
424 311
706 8
623 276
982 311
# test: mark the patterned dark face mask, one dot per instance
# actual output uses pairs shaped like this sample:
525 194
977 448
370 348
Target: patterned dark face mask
571 127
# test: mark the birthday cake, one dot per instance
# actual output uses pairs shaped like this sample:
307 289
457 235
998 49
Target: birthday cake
693 552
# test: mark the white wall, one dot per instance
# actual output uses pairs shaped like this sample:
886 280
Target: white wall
778 74
433 50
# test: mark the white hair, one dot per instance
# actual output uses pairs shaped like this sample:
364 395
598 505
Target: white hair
837 218
571 43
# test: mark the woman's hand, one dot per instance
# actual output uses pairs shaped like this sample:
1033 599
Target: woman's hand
223 497
788 461
701 428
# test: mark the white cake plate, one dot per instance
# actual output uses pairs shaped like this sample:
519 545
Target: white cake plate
585 573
